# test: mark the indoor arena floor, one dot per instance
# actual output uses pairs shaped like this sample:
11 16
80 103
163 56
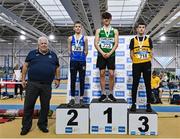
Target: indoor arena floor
168 125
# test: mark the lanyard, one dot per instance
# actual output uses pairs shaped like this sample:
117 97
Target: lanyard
108 32
77 41
140 43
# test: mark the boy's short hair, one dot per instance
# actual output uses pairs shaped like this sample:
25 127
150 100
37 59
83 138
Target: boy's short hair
154 73
140 23
77 22
106 15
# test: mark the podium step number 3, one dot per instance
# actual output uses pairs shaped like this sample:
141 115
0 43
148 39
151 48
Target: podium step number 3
142 123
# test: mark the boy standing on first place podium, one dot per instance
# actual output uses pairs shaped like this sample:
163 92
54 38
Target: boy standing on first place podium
141 55
106 42
78 50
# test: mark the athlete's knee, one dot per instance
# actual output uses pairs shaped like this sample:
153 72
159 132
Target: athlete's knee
102 73
111 74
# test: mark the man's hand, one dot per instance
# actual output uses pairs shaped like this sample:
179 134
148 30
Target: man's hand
24 83
57 83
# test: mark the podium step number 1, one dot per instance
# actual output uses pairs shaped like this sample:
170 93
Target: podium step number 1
108 117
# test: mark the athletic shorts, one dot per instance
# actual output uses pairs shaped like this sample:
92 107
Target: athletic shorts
102 63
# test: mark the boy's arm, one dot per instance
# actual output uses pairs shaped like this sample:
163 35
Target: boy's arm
131 45
96 43
116 42
69 44
86 45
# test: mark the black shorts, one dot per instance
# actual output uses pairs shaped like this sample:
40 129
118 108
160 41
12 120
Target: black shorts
109 62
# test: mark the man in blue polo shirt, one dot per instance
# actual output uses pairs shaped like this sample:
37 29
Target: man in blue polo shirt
42 66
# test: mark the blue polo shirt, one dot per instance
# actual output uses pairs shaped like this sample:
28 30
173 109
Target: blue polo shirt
41 67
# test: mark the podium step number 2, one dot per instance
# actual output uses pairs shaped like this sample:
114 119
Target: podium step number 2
72 120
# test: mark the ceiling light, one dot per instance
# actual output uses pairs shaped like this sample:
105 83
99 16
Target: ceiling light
162 38
22 32
2 40
51 37
22 37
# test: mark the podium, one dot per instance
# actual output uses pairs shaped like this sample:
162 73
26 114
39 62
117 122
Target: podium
108 117
142 122
105 118
72 120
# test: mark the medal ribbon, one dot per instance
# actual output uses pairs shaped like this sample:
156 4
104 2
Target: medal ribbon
140 43
107 32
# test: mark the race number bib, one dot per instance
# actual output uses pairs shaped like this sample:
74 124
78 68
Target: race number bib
77 48
107 43
142 55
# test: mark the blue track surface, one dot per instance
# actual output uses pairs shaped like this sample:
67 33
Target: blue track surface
53 107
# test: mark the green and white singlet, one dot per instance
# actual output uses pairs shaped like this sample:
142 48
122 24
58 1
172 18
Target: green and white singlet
106 40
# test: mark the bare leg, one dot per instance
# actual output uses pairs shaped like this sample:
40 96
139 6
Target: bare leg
111 81
102 81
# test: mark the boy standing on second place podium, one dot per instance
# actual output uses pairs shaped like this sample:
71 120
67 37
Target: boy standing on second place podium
78 50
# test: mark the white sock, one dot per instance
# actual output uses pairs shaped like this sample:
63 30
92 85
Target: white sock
110 92
103 92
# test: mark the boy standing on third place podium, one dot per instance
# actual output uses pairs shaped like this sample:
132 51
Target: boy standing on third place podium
106 42
78 50
141 55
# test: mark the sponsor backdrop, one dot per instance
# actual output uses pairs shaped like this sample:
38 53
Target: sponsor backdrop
123 75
